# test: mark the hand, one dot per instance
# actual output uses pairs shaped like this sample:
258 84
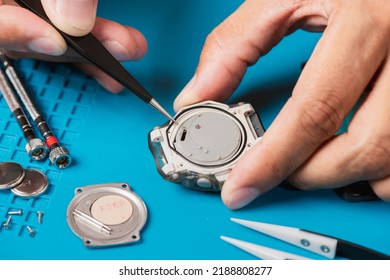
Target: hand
23 34
300 144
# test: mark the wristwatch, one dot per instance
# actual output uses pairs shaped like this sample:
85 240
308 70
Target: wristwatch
199 149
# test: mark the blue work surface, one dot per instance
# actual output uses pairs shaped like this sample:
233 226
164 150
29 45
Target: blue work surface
107 136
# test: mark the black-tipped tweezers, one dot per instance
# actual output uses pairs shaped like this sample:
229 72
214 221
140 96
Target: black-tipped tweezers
93 50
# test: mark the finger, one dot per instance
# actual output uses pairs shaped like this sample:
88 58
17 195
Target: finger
124 43
329 86
102 78
381 188
363 153
74 17
235 44
30 34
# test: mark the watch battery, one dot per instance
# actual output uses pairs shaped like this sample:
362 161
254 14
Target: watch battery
11 174
33 184
210 137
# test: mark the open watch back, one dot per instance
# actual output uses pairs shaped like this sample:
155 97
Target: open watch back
106 214
200 148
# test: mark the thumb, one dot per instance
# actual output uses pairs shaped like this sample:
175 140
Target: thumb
74 17
31 34
238 42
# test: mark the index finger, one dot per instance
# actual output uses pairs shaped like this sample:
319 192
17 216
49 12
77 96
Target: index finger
342 64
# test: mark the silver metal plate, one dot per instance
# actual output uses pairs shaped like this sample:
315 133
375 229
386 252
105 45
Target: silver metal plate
106 215
11 174
33 184
208 137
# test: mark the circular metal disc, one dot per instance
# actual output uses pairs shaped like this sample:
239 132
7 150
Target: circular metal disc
112 209
33 184
11 174
209 138
106 214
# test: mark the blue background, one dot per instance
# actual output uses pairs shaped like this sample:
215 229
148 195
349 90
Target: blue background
107 137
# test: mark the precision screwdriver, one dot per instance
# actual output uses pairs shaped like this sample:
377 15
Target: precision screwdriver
58 155
35 147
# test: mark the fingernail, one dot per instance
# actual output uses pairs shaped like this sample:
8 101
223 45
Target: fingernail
117 50
77 13
241 197
45 45
184 96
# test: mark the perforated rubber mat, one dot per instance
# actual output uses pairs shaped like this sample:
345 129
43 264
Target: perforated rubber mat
63 98
106 136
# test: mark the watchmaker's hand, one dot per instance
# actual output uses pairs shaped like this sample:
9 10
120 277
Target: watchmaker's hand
300 144
24 34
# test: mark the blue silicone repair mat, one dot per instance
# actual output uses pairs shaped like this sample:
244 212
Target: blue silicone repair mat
106 135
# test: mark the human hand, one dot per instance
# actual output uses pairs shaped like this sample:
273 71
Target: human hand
23 34
300 144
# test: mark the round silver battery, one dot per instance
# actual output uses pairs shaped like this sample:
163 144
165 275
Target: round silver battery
33 184
11 174
106 215
209 137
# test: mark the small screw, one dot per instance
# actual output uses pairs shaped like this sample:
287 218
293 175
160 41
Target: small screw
31 231
7 223
15 212
40 215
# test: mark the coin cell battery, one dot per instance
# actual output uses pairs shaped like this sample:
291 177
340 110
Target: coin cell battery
11 174
106 215
33 184
194 143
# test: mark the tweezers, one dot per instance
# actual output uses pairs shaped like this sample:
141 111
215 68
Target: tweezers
321 244
93 50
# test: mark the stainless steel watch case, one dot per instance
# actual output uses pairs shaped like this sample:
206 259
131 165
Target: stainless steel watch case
199 150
